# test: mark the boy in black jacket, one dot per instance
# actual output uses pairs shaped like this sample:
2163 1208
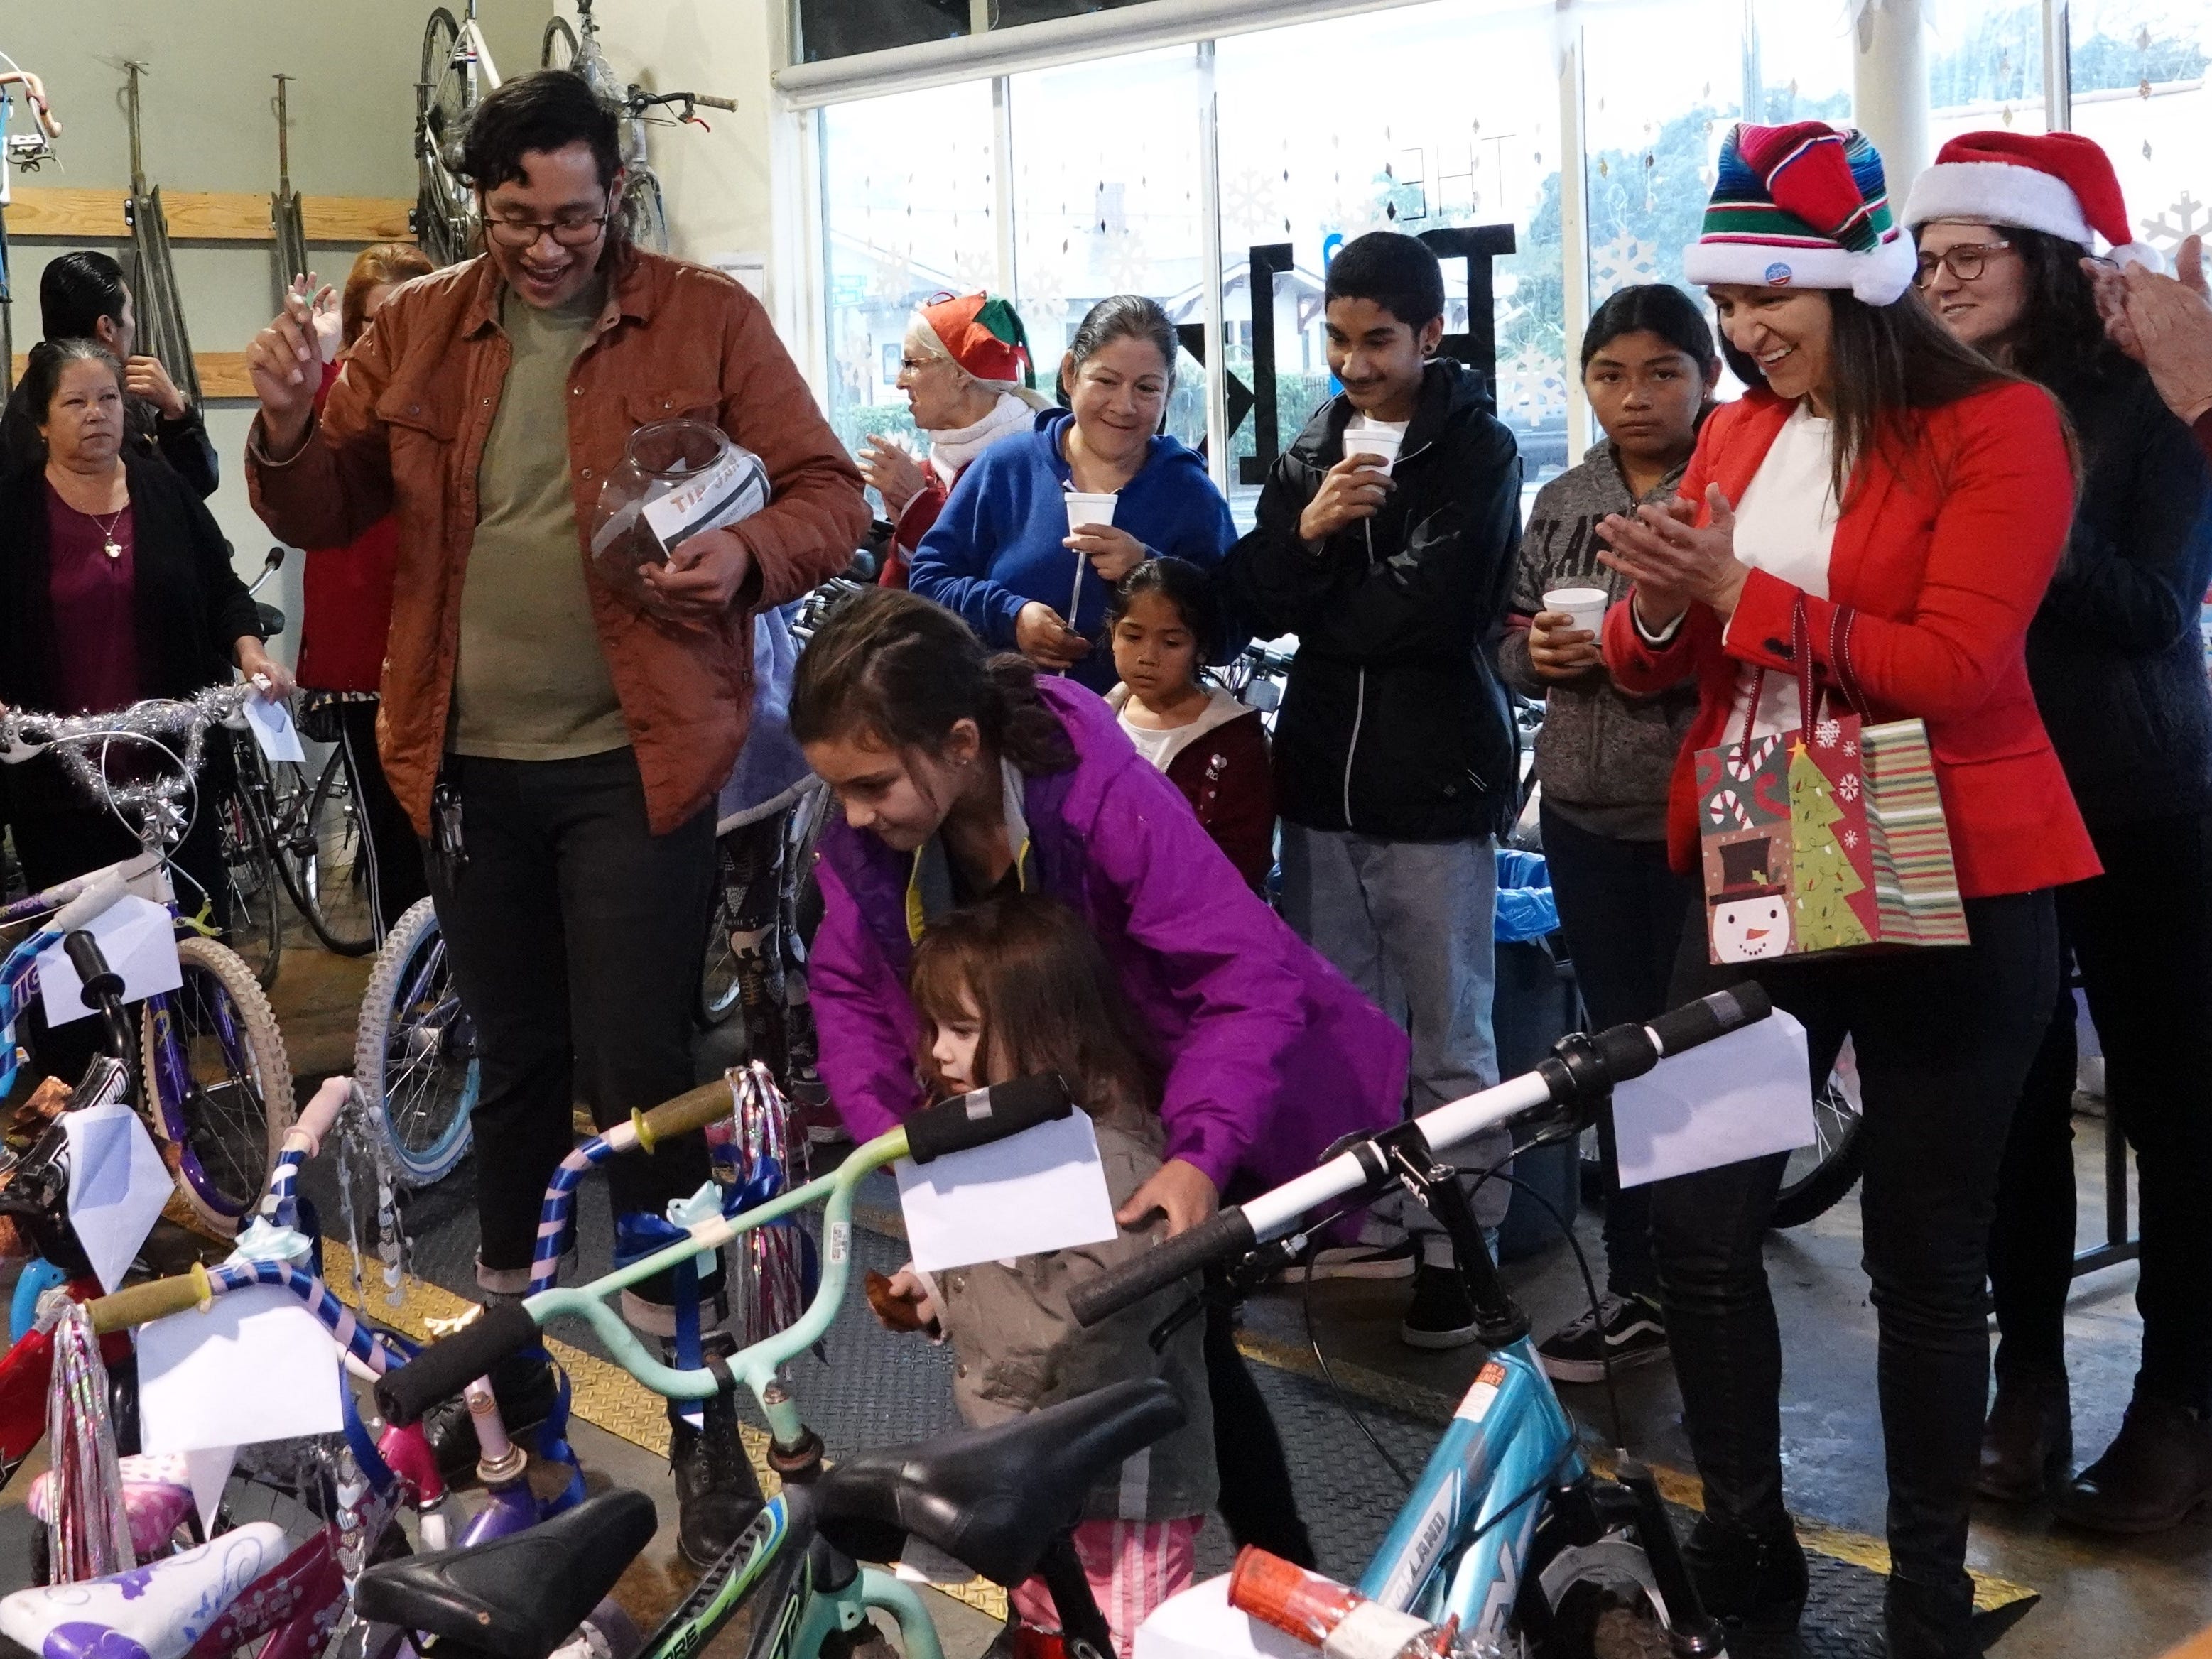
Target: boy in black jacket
1394 755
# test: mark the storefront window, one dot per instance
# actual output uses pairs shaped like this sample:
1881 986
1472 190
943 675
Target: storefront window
1425 146
1797 64
909 187
1984 69
838 28
1108 200
1662 86
2139 89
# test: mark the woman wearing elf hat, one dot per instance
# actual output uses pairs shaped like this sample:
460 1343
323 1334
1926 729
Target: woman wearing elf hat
1887 506
969 382
2004 220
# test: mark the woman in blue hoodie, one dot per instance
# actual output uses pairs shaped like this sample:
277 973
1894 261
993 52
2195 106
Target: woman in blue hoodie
1002 553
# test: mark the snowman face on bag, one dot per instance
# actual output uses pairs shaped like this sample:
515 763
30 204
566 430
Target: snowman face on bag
1746 930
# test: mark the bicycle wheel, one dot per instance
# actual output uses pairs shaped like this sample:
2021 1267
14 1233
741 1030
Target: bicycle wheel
329 857
1817 1175
719 981
415 1051
256 932
218 1082
558 49
643 214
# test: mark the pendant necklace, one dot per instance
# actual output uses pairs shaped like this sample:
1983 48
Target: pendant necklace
108 544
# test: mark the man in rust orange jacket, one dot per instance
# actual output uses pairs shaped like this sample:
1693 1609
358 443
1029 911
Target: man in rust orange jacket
558 743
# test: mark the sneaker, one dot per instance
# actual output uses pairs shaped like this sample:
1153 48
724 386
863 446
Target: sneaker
1627 1330
1357 1261
1442 1314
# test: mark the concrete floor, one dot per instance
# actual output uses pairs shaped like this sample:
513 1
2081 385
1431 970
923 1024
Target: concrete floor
2122 1599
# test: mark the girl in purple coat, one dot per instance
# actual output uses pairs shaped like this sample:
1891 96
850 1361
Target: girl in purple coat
960 775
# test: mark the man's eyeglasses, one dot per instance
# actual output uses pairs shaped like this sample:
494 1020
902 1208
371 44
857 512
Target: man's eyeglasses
1965 262
519 233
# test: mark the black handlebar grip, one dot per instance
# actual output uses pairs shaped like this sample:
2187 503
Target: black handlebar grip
98 979
1712 1016
451 1363
986 1115
1220 1236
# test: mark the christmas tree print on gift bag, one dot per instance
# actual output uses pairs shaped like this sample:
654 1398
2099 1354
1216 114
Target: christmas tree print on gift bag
1790 859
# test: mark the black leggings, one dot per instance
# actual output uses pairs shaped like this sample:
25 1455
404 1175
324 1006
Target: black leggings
396 879
1256 1502
1943 1039
2142 933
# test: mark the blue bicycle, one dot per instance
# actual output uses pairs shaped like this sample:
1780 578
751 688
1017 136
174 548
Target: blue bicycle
1508 1539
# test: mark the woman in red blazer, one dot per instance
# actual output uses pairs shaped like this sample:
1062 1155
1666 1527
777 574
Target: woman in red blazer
1913 500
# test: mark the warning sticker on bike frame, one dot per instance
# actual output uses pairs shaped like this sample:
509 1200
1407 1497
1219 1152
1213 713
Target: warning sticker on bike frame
841 1240
1487 1382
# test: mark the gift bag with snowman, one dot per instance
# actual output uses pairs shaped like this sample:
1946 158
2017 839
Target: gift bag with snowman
1829 837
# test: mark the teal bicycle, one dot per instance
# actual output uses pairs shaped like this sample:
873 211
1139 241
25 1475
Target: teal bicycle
1002 1501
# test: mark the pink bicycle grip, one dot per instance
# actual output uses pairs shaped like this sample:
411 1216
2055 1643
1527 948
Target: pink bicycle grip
321 1111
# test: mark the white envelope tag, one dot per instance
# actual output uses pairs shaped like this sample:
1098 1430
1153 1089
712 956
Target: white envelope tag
137 937
118 1186
1042 1189
270 722
1738 1096
255 1366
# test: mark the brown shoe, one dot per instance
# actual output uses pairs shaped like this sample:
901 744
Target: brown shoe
2156 1471
2027 1444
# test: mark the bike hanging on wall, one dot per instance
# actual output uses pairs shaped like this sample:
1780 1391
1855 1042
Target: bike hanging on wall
457 72
285 217
161 332
25 146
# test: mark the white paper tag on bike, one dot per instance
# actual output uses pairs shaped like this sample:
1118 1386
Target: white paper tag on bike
255 1366
1042 1189
117 1185
137 937
1738 1096
270 719
210 1469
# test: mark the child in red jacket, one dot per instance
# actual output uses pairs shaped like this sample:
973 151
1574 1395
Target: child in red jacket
1164 621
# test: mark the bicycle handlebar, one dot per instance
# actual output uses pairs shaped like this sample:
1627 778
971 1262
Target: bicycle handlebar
729 104
708 1104
1580 1069
986 1115
447 1366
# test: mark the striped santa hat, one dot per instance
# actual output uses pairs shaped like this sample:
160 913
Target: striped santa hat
2059 183
1803 205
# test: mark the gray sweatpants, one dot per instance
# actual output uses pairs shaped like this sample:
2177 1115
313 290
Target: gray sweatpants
1409 922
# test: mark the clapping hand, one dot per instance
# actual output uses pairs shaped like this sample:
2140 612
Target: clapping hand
1673 562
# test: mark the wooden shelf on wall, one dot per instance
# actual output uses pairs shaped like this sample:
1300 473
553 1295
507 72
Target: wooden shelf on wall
96 215
222 373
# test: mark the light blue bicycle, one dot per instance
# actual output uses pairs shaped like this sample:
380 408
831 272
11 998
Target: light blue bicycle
1508 1540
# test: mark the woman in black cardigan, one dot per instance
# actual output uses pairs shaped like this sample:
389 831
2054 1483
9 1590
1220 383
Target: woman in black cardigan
2117 666
115 585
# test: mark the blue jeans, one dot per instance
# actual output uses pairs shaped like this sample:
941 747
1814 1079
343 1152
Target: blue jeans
1409 923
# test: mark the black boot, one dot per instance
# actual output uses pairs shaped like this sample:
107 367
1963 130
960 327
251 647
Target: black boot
1753 1582
717 1494
524 1385
1927 1621
2027 1444
2157 1471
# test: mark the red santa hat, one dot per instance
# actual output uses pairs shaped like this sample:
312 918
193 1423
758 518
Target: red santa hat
2057 182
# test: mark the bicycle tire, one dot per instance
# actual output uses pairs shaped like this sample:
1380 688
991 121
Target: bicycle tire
333 875
396 1053
557 50
437 46
1819 1176
226 1130
250 864
643 214
720 987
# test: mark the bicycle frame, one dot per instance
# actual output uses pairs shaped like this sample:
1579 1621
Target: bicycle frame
1509 1445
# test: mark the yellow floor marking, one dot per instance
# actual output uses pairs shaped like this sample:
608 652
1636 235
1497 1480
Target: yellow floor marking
605 1394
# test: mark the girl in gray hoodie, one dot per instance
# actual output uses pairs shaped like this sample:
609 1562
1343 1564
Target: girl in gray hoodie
1604 758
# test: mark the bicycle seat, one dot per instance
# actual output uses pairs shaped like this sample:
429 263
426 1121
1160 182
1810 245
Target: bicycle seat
519 1597
992 1498
159 1610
